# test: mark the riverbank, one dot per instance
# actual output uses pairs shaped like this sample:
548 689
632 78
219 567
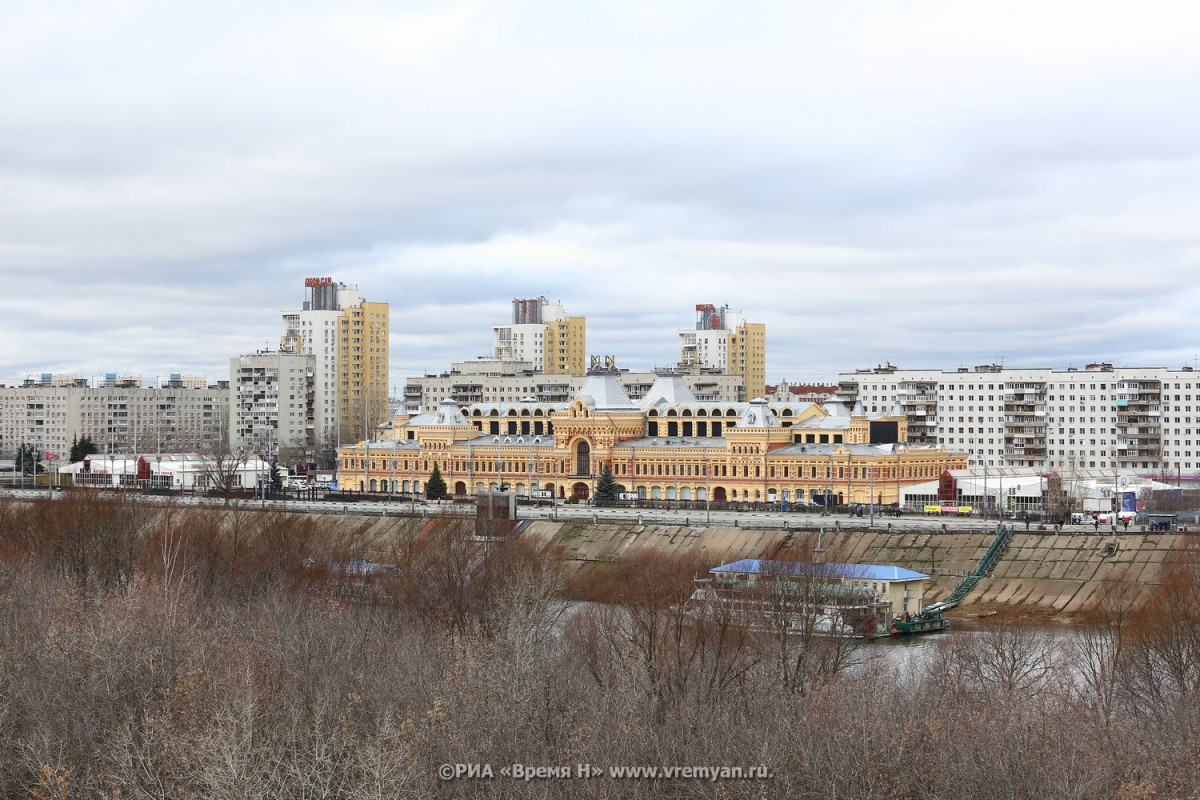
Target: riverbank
1041 576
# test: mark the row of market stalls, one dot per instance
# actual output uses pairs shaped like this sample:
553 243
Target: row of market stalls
168 472
1020 490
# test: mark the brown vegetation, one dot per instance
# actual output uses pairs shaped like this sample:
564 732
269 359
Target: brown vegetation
218 654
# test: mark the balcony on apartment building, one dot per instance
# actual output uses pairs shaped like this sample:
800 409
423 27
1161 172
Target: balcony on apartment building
1139 430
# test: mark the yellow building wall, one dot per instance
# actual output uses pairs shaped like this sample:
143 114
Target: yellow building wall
748 358
565 346
905 596
748 468
363 367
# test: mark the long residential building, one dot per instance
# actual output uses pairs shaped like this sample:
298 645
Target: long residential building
493 380
1097 417
669 445
121 418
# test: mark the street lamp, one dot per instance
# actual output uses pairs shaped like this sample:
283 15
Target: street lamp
849 467
708 491
828 477
470 466
677 482
1116 502
871 469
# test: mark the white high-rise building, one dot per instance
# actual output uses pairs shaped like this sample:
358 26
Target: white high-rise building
542 334
723 340
313 330
1097 417
707 344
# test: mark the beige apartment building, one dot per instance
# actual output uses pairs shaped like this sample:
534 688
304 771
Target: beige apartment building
489 380
176 417
723 340
363 336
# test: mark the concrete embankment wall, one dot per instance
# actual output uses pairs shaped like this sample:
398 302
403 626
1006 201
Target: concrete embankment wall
1045 571
1058 572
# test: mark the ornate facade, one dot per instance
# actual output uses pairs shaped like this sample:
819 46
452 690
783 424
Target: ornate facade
667 447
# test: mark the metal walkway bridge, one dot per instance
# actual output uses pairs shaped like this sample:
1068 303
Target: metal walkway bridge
999 545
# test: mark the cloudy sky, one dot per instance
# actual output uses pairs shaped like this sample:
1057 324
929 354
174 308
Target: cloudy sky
938 184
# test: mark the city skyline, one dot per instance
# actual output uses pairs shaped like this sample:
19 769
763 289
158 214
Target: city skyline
937 187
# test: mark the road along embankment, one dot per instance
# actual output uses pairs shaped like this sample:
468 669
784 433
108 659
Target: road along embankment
1040 571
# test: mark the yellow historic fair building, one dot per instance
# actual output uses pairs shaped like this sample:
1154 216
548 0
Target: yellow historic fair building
668 446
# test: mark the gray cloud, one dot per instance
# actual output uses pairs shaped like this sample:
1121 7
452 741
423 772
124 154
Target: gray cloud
941 185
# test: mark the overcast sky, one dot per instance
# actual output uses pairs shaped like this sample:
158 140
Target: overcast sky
938 184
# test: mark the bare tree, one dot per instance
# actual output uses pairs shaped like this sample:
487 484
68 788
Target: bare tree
1064 493
221 470
1099 650
1010 657
814 618
1163 661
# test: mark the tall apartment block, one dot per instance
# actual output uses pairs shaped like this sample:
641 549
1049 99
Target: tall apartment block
1098 417
723 339
180 415
363 369
348 339
543 335
270 406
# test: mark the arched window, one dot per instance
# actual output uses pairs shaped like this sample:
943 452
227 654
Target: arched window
583 459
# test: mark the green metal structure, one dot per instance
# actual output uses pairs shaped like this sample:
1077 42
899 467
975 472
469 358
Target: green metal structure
999 545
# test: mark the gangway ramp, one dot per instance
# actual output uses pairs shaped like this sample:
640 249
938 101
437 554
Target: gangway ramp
983 568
